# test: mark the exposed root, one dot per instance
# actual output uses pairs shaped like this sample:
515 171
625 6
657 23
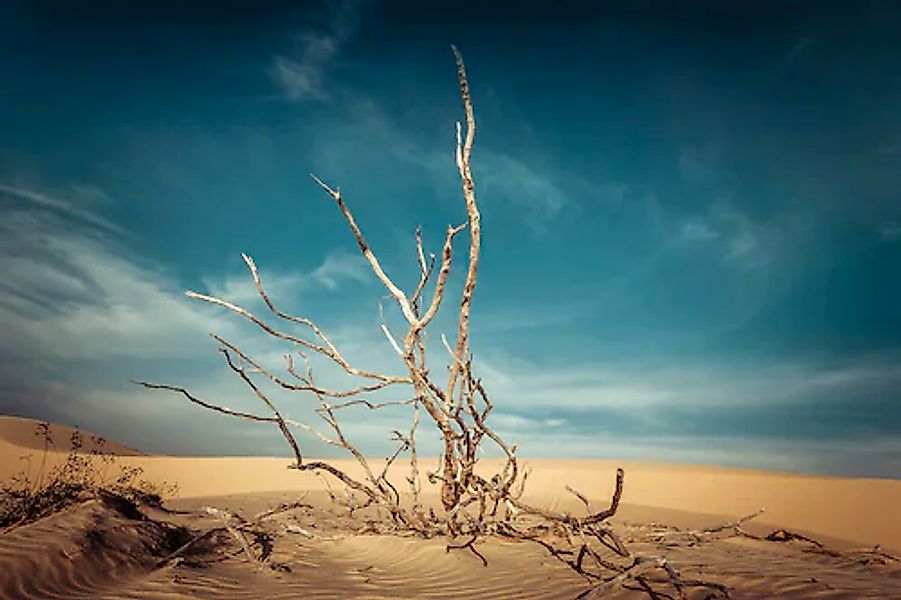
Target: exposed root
469 545
186 546
865 556
637 572
665 534
226 518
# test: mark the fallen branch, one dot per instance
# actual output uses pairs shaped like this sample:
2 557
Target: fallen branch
468 545
225 517
735 525
184 547
866 556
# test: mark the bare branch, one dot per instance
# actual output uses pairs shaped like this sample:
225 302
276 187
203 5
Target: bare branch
368 404
581 497
302 320
367 252
735 524
310 387
258 322
313 431
443 272
413 479
327 352
283 427
387 332
590 519
204 404
307 386
469 545
464 151
425 271
225 518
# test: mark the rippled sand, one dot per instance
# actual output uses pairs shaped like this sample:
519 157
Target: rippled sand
94 550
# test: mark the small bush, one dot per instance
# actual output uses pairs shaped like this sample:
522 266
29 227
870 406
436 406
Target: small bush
83 475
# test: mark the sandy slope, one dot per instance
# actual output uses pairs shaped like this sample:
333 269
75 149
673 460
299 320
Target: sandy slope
21 432
95 551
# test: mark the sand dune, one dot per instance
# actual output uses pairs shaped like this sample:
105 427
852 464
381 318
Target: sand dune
80 552
21 432
94 550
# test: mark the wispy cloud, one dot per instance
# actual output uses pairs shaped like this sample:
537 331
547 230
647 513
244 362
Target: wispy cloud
781 416
71 294
341 266
338 267
744 248
730 234
535 195
696 231
724 228
301 73
524 185
81 315
859 456
639 387
87 194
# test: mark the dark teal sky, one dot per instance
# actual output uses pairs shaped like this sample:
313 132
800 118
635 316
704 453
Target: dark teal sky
692 213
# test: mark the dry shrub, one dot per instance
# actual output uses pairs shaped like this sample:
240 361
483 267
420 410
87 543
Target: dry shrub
28 496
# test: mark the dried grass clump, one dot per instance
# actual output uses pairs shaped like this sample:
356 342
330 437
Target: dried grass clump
28 496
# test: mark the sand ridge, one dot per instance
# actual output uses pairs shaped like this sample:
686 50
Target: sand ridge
96 551
21 432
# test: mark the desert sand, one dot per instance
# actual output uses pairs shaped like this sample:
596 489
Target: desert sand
95 550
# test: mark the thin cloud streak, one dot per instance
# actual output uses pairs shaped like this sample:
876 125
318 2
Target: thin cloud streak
45 200
338 267
641 388
301 74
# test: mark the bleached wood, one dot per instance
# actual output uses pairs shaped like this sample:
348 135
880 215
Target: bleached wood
476 504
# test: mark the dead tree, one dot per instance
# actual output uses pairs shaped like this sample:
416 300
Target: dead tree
475 504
